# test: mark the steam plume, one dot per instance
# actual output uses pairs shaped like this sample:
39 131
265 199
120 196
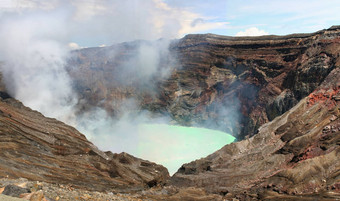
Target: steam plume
35 42
34 62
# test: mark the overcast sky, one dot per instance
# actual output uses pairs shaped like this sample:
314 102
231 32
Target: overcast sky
104 22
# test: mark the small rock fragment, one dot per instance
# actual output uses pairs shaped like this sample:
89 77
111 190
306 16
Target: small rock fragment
2 189
14 191
334 129
326 129
22 185
333 118
37 196
26 196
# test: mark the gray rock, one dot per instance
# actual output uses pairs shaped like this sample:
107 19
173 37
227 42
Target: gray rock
14 191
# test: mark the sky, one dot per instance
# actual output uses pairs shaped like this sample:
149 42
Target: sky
270 16
105 22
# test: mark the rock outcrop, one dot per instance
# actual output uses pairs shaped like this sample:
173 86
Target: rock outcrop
43 149
234 84
295 154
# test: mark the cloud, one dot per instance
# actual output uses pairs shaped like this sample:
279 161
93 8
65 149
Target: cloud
73 46
200 27
11 5
93 23
253 31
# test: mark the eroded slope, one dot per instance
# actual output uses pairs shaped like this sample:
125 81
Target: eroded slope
44 149
295 154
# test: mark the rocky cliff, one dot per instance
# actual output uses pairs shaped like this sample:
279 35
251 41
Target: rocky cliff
44 149
295 154
234 84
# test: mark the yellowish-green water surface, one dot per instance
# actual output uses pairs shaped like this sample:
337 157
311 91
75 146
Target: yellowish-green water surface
173 146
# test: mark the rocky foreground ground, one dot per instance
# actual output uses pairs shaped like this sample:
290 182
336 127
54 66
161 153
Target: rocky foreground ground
22 189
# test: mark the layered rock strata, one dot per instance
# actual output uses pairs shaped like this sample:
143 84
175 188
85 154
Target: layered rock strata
234 84
43 149
295 154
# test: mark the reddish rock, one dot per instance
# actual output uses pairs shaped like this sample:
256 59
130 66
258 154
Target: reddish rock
296 154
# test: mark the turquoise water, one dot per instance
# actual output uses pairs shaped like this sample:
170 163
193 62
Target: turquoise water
173 146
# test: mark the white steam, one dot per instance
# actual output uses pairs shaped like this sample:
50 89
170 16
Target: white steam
34 60
151 61
35 43
36 37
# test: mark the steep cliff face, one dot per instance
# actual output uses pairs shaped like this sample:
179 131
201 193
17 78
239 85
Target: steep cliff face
44 149
295 154
234 84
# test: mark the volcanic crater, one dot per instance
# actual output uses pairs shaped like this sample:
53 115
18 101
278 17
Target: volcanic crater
279 95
